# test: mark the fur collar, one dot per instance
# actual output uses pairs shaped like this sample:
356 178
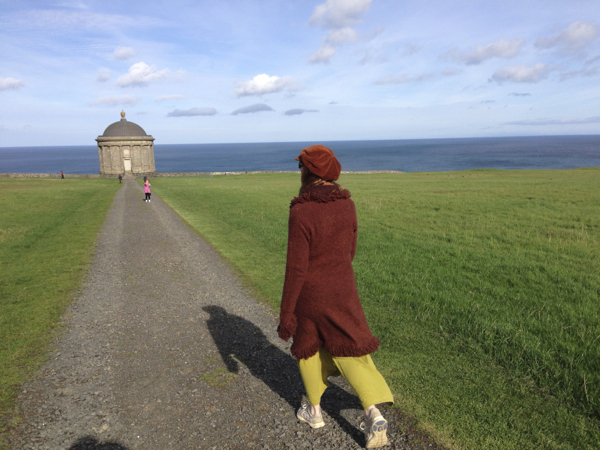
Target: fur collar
321 194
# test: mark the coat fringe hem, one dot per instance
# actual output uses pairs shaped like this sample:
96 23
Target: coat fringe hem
339 351
307 352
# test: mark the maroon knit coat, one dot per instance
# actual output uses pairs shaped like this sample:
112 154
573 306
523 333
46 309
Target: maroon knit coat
320 306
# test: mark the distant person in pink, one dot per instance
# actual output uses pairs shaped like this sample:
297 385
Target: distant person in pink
147 189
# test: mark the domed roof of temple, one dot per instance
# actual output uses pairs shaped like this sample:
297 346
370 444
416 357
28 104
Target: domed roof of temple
124 128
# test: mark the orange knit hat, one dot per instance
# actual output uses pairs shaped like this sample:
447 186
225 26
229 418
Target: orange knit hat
321 161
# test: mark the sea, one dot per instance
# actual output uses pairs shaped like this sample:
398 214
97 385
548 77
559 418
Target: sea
413 155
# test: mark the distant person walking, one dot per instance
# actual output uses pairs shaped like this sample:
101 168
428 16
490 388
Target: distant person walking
147 189
62 175
320 307
120 178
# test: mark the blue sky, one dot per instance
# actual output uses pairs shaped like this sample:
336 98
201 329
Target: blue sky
209 71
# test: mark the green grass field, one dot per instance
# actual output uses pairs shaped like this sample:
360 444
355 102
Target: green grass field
482 285
48 228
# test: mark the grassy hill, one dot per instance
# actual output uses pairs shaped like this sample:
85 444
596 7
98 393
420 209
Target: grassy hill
482 285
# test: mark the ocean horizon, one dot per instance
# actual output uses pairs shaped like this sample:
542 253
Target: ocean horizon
411 155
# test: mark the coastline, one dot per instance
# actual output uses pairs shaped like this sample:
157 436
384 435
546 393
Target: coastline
178 174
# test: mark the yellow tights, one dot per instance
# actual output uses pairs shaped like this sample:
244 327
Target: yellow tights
360 372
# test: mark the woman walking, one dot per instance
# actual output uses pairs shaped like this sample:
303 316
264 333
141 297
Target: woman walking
147 189
320 307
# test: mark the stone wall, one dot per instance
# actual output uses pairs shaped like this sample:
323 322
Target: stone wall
183 174
45 175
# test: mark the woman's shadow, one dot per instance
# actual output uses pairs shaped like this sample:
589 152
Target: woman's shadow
240 340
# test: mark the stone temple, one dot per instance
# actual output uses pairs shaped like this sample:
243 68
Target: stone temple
126 149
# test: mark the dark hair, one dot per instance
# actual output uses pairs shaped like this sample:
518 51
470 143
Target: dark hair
308 179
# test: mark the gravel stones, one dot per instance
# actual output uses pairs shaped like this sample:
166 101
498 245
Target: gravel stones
164 349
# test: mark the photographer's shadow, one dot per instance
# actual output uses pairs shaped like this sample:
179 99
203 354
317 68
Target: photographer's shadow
239 339
91 443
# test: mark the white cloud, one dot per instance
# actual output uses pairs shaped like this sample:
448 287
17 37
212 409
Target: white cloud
521 74
257 107
575 36
402 79
334 38
499 49
341 35
323 54
339 13
123 53
114 100
298 111
263 84
102 75
10 83
141 74
162 98
192 112
539 122
519 94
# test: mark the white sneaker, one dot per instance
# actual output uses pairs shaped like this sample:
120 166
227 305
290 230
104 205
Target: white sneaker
304 415
375 429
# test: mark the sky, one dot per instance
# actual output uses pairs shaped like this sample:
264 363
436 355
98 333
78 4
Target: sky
222 71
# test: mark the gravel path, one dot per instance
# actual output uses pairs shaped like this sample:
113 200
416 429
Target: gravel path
164 349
